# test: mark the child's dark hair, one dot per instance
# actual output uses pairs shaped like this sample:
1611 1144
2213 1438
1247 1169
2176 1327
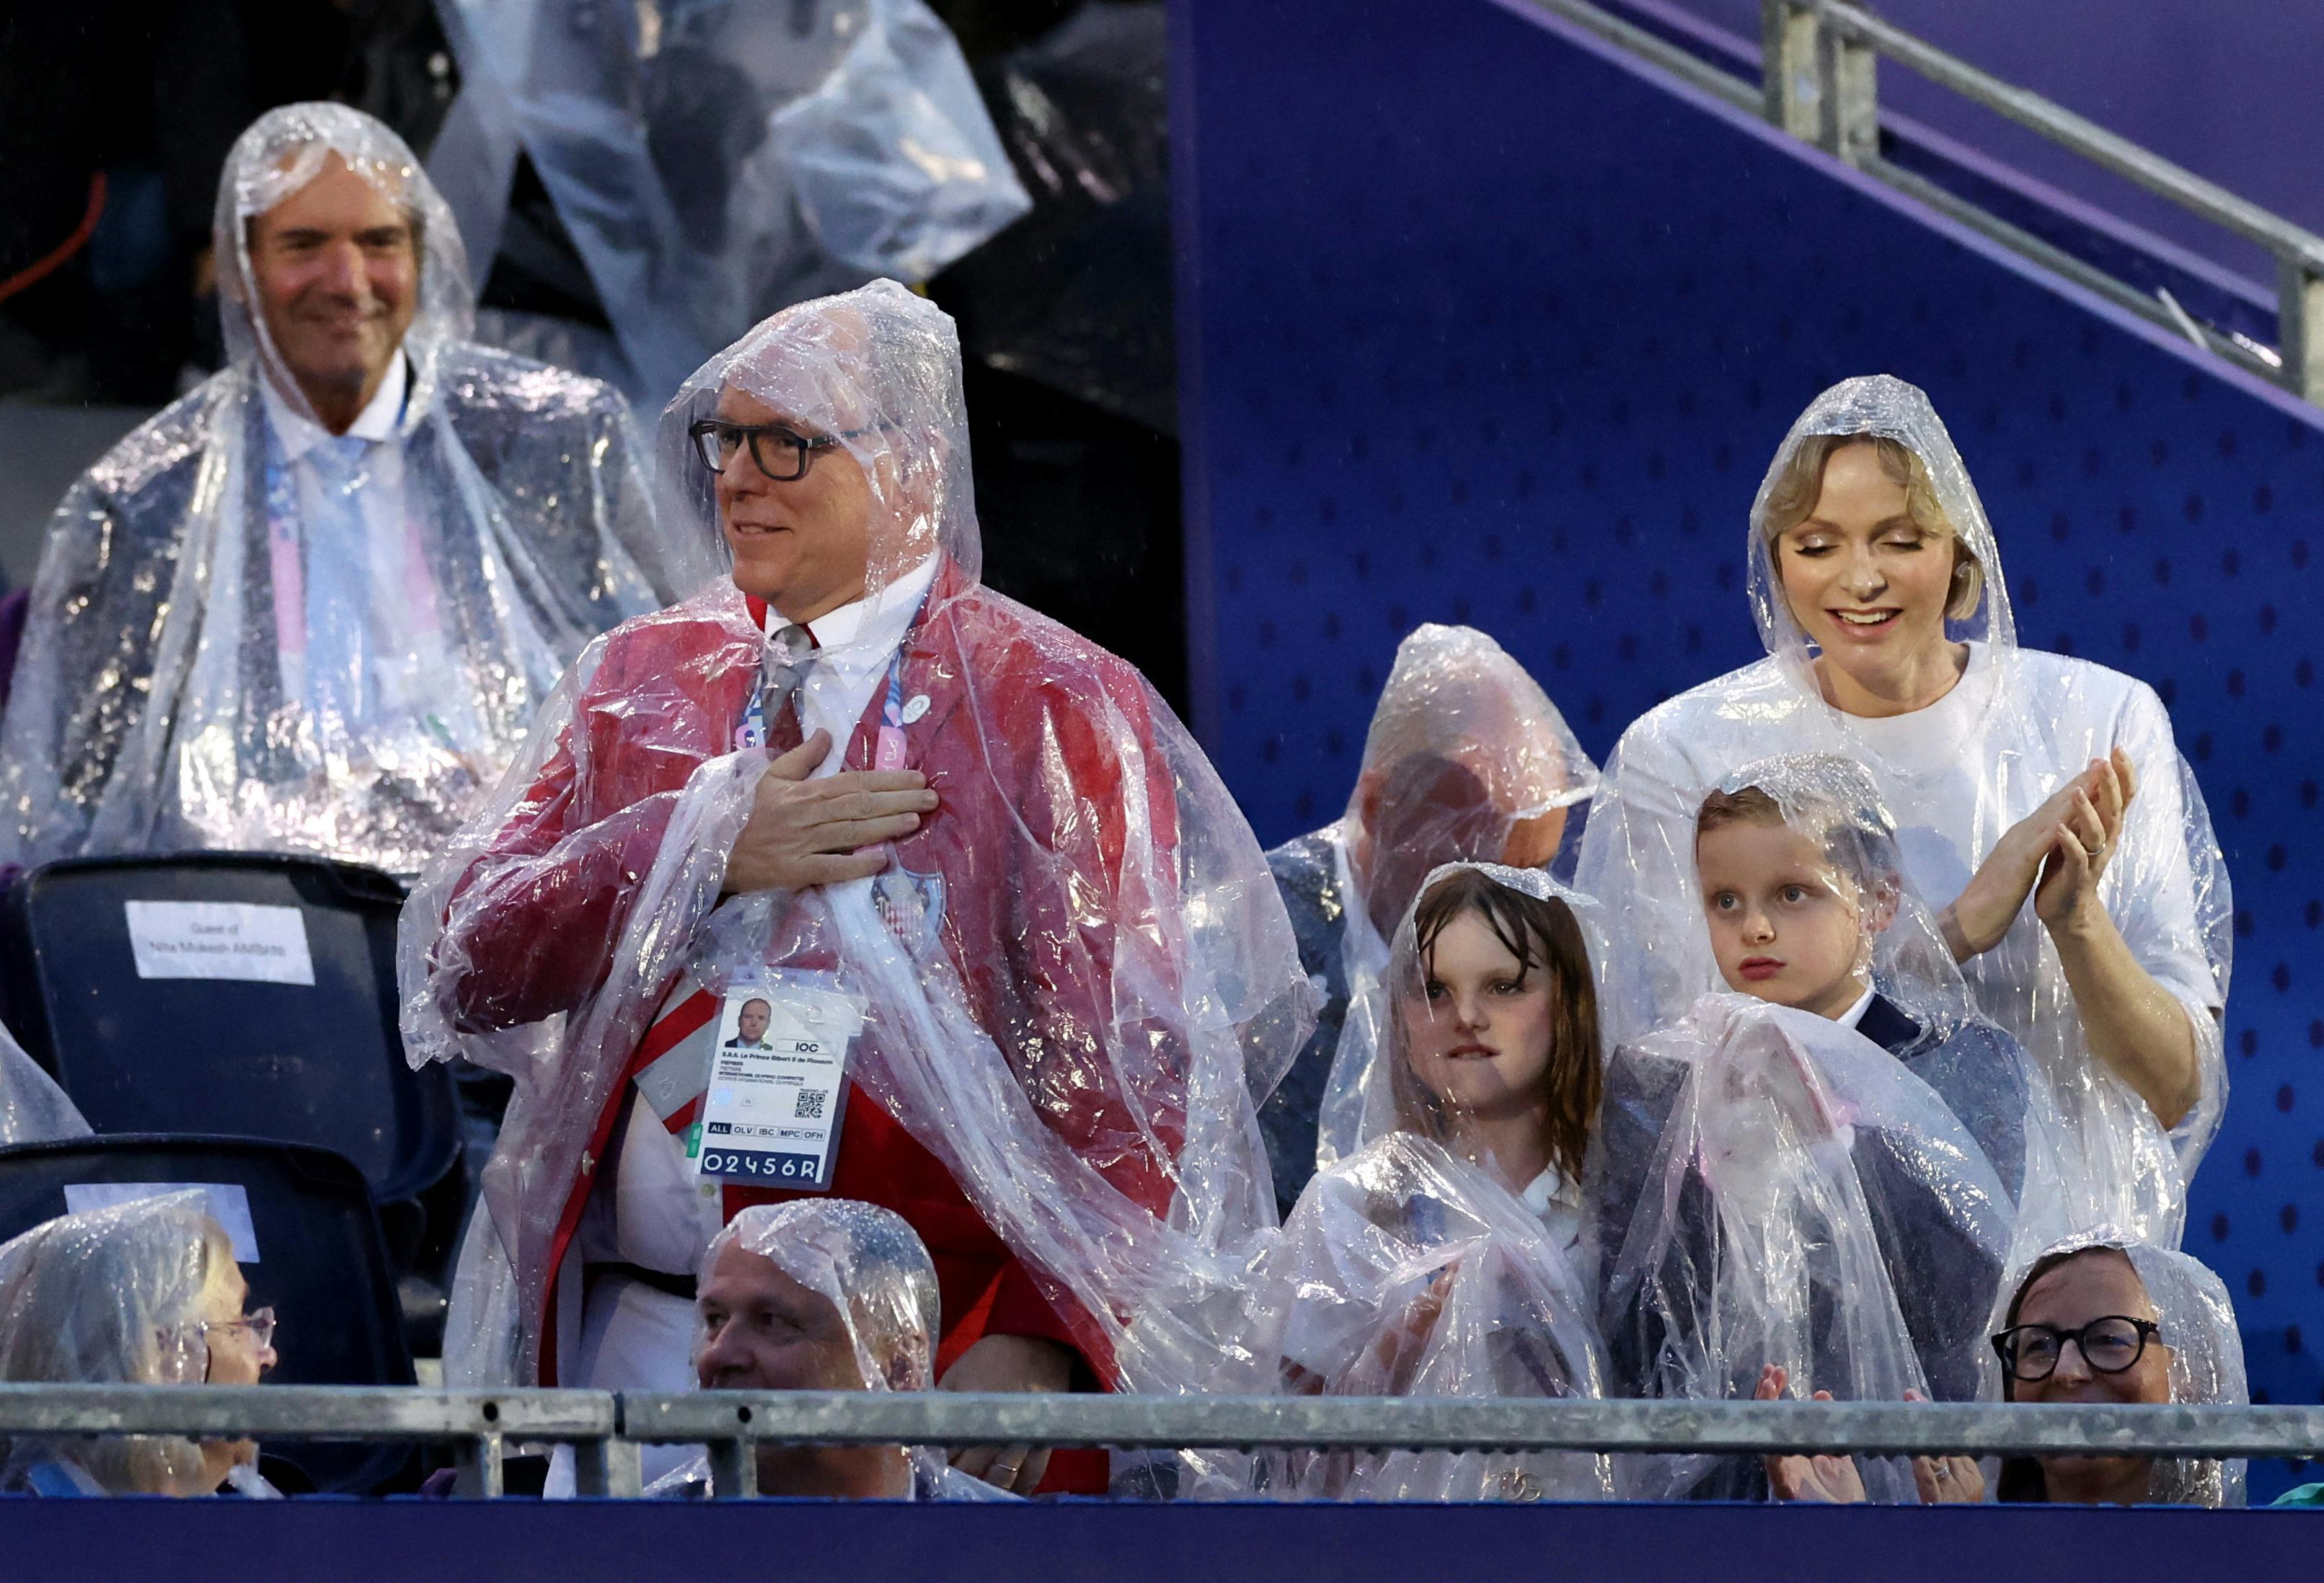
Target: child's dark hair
1540 933
1744 806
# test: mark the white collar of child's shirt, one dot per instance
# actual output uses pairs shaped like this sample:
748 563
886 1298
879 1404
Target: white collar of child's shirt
300 434
869 628
1855 1014
1553 1186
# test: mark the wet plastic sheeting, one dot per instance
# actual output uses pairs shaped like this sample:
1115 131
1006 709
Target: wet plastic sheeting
714 162
220 654
1408 1272
1071 1002
1956 776
1771 1187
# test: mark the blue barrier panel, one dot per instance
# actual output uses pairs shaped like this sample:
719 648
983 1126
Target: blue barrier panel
1482 321
518 1541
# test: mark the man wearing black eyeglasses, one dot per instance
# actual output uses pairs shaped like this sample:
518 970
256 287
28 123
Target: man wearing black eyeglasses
856 772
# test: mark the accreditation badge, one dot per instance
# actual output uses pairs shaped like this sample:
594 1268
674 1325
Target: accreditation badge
778 1091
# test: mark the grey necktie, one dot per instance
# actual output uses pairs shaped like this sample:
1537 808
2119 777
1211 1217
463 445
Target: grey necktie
789 651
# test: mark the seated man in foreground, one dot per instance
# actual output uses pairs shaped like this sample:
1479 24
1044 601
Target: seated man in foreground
823 1295
1019 964
313 605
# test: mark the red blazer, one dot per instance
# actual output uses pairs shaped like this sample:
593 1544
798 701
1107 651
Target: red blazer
1051 836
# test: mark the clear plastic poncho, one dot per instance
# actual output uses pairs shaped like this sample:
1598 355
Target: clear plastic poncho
1771 1187
1957 776
32 1107
1830 802
869 1265
1466 761
248 633
2198 1323
717 160
1923 1013
1406 1270
109 1296
1075 979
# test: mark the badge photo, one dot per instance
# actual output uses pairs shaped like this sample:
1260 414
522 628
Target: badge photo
778 1084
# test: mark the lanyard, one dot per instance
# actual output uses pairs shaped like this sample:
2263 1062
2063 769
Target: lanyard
889 751
751 730
892 713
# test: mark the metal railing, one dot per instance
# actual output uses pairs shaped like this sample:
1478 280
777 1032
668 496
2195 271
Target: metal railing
1819 81
605 1429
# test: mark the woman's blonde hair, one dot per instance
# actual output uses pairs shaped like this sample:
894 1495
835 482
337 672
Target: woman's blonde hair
111 1296
1793 494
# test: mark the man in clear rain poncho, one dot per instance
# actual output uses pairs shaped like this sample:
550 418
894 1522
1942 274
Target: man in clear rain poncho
1466 760
822 1295
313 605
1816 1168
1443 1256
2041 802
1024 962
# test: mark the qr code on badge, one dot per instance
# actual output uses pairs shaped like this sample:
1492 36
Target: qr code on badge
810 1104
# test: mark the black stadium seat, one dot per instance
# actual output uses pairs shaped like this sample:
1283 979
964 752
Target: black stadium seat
319 1266
318 1064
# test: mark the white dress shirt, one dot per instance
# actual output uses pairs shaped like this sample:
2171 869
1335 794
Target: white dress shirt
853 647
1854 1015
363 647
1555 1199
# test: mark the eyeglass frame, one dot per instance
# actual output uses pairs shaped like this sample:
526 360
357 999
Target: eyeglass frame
2147 1330
262 1325
803 447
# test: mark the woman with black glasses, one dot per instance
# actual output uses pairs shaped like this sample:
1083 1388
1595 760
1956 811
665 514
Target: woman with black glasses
2098 1319
2093 1320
